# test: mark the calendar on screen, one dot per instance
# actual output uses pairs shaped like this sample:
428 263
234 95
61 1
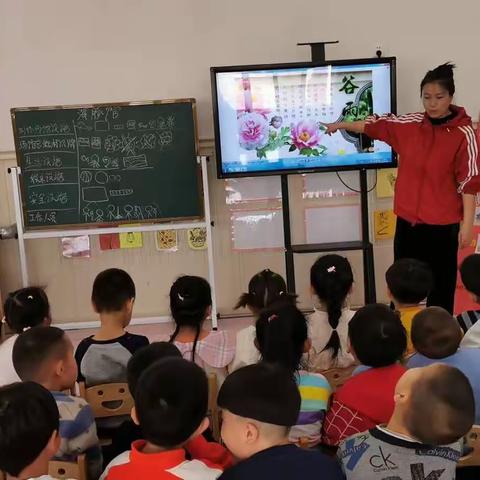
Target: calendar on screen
271 120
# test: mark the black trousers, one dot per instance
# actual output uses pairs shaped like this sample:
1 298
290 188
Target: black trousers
436 245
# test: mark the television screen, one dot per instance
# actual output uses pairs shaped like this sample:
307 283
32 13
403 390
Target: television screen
269 119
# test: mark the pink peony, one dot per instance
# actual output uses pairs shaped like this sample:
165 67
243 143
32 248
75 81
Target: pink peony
305 134
253 130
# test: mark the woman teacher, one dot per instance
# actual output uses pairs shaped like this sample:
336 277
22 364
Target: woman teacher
438 177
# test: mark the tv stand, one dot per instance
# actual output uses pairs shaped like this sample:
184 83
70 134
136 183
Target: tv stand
318 55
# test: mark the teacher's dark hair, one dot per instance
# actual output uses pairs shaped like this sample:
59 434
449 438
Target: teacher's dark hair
443 75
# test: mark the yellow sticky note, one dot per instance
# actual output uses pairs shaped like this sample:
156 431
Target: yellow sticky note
197 238
385 221
386 182
131 239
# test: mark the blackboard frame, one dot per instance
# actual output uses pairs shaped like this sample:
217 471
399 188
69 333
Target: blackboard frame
87 226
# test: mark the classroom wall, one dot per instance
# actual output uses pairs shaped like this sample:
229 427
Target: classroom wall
62 52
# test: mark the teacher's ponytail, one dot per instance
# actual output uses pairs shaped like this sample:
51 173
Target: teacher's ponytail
443 75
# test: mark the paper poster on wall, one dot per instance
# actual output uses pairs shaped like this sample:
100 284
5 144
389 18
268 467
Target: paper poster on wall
166 241
477 215
386 182
197 238
109 241
257 229
239 190
384 221
131 240
340 223
327 185
76 247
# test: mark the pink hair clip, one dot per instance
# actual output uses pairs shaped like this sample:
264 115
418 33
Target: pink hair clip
331 269
272 317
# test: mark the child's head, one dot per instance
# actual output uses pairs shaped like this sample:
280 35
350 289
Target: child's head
435 333
190 304
470 273
435 404
145 357
331 279
377 336
282 336
26 308
265 289
113 291
260 404
29 423
409 281
45 355
171 402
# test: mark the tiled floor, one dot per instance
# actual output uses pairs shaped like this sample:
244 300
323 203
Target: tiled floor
159 329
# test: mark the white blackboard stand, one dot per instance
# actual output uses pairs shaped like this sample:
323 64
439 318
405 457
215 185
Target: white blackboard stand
32 235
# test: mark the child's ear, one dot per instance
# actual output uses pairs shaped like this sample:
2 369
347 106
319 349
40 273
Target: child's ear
95 309
307 345
255 342
251 433
59 367
134 416
53 444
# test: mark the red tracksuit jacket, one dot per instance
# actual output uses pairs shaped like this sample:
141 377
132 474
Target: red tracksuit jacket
437 163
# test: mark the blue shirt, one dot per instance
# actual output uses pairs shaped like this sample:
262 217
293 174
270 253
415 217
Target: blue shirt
467 360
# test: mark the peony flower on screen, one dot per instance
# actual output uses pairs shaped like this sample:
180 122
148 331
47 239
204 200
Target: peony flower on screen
253 130
305 134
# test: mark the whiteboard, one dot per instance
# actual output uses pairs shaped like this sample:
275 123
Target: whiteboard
340 223
257 229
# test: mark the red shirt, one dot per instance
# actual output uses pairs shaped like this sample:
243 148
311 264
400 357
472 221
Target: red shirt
437 163
209 459
364 401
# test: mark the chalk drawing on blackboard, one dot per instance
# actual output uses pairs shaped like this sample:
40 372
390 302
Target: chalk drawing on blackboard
94 194
96 143
124 192
83 142
165 138
118 126
131 124
86 177
83 126
102 126
137 162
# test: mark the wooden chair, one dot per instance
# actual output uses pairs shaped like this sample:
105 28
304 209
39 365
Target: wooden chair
108 400
472 440
338 376
68 470
213 411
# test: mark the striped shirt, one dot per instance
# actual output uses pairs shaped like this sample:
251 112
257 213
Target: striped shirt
315 392
468 319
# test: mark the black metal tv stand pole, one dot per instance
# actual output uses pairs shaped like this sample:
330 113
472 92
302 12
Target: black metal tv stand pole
318 55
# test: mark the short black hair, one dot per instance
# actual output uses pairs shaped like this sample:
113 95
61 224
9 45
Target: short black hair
470 273
442 408
146 356
265 289
409 280
28 418
443 75
264 392
36 346
281 333
377 335
171 401
26 308
112 288
435 333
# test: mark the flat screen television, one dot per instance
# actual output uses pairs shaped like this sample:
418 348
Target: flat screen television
269 118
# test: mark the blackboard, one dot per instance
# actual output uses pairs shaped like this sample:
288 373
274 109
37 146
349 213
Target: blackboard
108 164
